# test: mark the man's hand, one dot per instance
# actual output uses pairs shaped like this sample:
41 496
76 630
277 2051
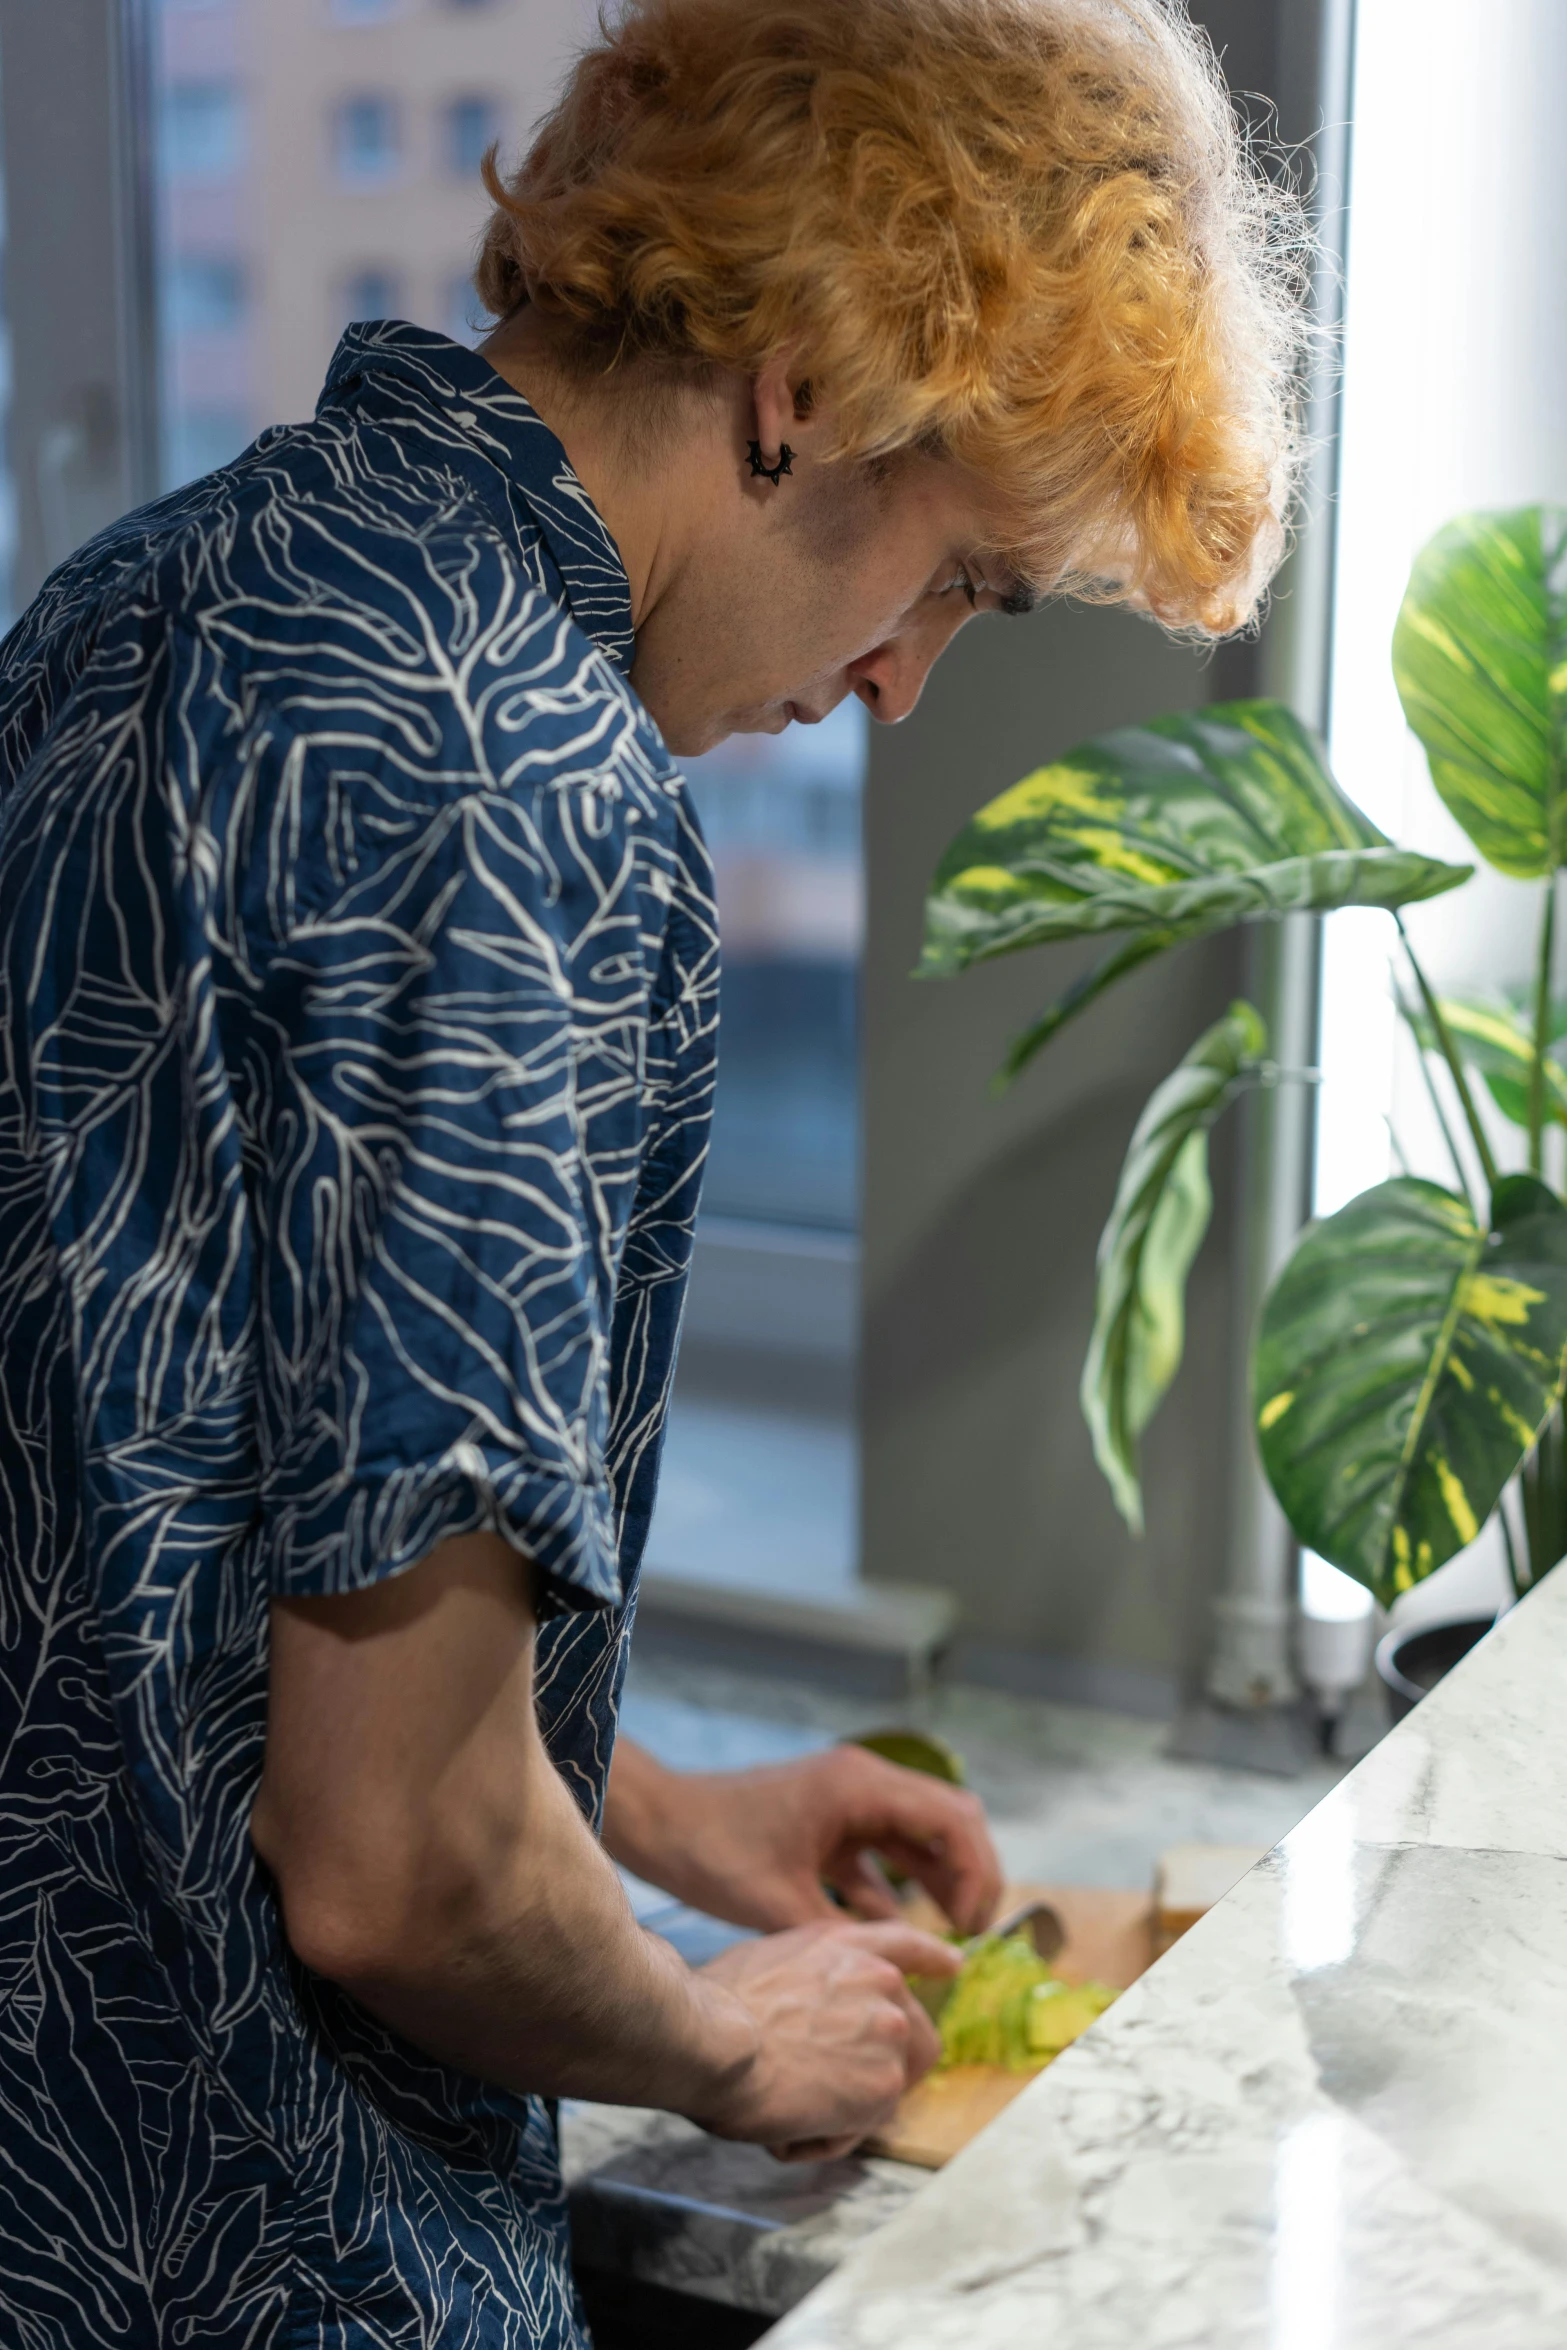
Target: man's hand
431 1859
758 1847
829 2003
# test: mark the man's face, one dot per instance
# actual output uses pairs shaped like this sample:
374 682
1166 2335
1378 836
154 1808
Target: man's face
842 579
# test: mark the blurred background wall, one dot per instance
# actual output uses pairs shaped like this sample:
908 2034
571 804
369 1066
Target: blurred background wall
981 1215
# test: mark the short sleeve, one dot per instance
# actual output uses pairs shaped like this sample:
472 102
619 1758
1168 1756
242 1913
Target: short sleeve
436 1239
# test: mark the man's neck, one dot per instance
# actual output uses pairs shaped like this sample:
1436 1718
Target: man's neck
652 511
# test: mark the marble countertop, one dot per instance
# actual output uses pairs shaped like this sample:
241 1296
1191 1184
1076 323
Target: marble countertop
655 2198
1334 2117
1073 1795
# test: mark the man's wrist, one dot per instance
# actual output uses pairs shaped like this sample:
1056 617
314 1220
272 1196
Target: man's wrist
728 2046
710 2044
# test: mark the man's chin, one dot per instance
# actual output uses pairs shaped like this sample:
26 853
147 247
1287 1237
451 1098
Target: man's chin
695 736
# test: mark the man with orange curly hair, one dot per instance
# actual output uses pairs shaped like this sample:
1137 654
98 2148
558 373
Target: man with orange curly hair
359 967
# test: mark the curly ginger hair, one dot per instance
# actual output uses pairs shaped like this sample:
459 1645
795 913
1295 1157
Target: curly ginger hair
1026 233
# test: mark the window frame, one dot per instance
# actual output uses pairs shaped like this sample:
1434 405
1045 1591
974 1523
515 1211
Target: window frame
75 153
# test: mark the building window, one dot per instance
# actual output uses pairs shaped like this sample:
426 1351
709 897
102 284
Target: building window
782 819
371 292
463 315
199 439
469 128
367 141
203 131
206 294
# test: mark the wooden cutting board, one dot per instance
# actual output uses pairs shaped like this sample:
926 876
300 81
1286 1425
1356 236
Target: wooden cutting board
1109 1939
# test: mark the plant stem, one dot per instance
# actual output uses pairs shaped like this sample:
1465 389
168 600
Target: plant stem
1450 1056
1435 1100
1542 1027
1507 1545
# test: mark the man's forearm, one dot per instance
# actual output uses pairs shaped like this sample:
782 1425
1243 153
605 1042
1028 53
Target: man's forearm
537 1976
431 1859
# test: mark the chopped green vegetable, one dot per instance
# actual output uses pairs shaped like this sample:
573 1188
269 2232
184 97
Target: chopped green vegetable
1059 2013
1007 2008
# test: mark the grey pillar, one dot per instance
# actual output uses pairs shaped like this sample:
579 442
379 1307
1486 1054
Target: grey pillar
1250 1662
79 290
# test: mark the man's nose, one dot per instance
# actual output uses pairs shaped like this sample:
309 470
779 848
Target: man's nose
890 680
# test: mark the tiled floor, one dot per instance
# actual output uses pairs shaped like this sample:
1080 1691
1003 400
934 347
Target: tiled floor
1074 1795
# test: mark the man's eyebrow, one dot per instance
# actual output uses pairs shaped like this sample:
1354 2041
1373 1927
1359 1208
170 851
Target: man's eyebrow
1015 595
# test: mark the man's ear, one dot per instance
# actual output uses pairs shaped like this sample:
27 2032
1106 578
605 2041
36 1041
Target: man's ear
781 395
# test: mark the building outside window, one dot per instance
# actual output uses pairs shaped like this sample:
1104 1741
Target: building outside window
470 126
203 132
7 493
199 438
371 292
367 140
782 818
205 294
463 315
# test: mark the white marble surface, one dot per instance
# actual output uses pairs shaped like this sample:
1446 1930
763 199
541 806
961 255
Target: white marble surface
1074 1795
1333 2118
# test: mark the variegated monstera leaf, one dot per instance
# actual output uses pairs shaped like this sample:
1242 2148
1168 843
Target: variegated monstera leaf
1480 660
1162 1206
1408 1358
1163 833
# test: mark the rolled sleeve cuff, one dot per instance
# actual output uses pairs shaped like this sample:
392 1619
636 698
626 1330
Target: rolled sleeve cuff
360 1530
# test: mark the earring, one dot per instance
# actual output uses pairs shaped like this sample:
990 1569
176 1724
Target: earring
772 473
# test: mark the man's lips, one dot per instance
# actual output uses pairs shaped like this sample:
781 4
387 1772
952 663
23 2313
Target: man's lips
781 715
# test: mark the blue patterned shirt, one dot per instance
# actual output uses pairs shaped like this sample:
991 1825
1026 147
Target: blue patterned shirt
358 974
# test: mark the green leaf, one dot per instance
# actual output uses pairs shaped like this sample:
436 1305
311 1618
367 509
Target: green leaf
1544 1494
1161 1211
1480 660
1198 821
1405 1365
1497 1040
1141 947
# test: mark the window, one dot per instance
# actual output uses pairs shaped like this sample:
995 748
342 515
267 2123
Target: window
7 493
469 128
371 292
367 141
761 1464
463 315
782 818
204 294
198 439
202 132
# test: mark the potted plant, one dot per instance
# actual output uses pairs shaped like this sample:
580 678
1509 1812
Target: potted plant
1410 1359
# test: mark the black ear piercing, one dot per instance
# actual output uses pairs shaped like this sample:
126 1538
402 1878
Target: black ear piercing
772 473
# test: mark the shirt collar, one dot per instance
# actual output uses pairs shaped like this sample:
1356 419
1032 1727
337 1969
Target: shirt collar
461 396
